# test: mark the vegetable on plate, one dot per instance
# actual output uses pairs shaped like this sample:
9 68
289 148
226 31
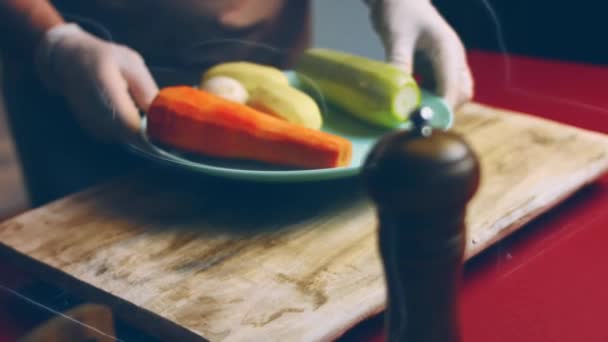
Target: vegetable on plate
196 121
373 91
226 87
288 103
249 74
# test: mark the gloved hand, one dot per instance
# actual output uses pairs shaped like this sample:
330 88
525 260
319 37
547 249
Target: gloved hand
410 26
103 83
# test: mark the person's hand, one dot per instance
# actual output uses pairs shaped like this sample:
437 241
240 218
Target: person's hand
410 26
103 83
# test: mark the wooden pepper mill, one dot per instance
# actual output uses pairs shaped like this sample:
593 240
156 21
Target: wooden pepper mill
421 181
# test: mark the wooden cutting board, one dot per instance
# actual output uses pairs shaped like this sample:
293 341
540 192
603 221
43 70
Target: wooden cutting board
193 258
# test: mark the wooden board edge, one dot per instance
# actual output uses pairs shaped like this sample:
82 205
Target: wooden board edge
86 192
512 114
372 312
531 216
130 313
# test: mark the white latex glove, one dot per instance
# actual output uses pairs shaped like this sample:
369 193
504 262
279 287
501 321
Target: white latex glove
103 83
410 26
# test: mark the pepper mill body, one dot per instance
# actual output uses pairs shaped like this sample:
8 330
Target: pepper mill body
421 181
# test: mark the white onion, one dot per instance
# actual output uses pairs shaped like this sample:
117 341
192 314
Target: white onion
226 87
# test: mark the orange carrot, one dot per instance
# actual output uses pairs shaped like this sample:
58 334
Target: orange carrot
196 121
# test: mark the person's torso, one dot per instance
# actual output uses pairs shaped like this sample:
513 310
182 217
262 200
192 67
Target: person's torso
194 34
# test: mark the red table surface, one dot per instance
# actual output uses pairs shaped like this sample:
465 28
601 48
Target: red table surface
549 281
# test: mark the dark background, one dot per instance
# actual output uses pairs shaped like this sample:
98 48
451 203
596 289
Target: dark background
567 30
572 30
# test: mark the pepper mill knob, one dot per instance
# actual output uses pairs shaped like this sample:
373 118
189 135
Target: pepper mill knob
421 181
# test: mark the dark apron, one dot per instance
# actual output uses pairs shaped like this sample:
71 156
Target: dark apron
57 157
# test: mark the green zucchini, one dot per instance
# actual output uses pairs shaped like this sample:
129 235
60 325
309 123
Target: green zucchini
373 91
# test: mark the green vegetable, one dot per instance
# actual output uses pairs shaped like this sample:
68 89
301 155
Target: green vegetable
373 91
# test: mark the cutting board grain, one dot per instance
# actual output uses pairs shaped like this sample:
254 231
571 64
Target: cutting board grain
201 258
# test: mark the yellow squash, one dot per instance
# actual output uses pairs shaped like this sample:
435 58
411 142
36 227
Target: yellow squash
249 74
286 102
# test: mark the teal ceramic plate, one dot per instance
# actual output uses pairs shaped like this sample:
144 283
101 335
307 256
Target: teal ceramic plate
361 135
